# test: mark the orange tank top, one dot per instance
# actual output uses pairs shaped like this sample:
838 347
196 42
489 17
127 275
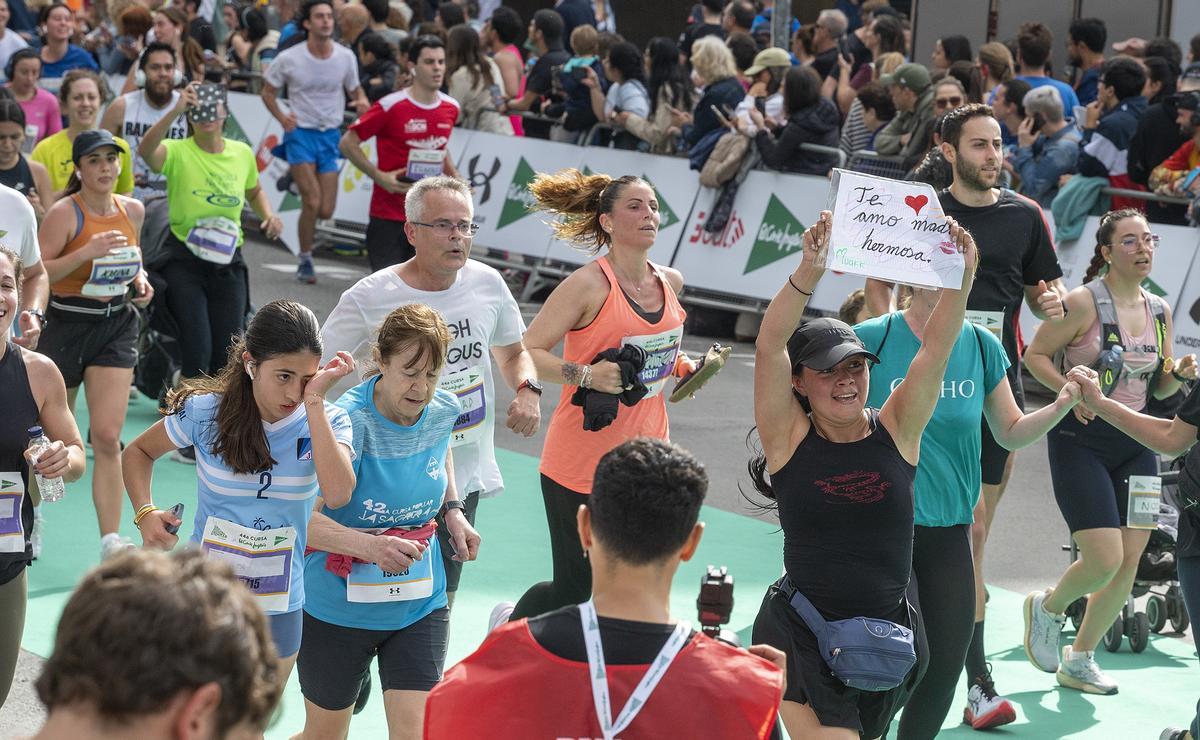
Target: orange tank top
115 271
570 454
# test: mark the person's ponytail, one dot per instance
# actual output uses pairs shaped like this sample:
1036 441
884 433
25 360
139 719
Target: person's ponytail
1095 266
578 200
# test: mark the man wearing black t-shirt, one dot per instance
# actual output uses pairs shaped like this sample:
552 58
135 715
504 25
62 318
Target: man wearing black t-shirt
1017 262
709 25
546 33
639 524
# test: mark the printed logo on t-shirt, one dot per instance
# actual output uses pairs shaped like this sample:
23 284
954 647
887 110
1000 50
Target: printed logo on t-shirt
416 126
433 468
304 448
858 487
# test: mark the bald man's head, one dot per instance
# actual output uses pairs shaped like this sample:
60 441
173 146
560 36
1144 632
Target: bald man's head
352 21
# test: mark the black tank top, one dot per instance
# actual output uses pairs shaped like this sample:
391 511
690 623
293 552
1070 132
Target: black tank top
20 413
846 510
20 177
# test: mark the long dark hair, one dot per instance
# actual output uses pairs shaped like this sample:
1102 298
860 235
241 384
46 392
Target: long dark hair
665 69
190 49
1104 235
801 89
75 184
463 50
279 328
626 59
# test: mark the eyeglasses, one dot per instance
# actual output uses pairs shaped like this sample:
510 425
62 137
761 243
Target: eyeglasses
1130 243
948 102
444 227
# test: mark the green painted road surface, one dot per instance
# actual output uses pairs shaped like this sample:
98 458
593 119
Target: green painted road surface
1158 687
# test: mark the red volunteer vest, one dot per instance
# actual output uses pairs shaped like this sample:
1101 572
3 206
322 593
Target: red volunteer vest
512 688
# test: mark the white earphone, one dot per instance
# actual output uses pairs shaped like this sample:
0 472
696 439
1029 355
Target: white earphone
250 370
139 77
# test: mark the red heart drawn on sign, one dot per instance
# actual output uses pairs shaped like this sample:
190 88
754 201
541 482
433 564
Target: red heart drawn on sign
916 202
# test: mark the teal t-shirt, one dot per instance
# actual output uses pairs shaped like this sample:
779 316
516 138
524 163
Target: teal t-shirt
948 474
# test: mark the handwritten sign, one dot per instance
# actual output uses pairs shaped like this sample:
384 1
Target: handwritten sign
891 230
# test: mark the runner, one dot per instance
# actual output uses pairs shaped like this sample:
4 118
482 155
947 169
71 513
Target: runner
318 75
1124 332
265 441
946 490
30 179
210 179
90 244
376 585
81 95
640 523
482 315
133 114
841 474
42 114
1017 261
1171 437
32 394
619 299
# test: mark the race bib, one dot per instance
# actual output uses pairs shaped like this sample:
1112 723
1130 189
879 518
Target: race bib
424 163
112 273
214 239
993 321
31 138
261 559
468 386
370 584
12 531
661 351
1145 495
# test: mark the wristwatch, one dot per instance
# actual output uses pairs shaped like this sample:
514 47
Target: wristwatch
532 385
39 314
455 504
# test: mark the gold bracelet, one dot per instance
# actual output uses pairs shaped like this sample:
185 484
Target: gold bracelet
142 511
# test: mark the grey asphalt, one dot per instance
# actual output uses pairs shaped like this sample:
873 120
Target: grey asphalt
1024 552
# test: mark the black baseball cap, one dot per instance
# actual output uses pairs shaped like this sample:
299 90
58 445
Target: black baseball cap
822 343
89 141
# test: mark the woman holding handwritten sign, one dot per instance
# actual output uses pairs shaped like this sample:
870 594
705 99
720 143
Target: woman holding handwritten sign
842 475
1116 327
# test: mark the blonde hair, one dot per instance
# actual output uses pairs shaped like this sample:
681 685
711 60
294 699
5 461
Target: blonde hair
998 60
584 40
578 200
713 60
887 63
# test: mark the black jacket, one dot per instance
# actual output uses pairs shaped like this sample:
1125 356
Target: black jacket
575 13
726 93
1157 137
816 124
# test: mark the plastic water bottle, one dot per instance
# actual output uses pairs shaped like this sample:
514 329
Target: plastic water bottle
51 489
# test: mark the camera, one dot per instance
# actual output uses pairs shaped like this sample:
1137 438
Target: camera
715 604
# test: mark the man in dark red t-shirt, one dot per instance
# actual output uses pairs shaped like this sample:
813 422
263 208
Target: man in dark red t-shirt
411 128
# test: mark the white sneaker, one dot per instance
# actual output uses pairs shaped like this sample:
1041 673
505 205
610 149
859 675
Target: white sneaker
1041 632
500 614
985 708
35 535
114 544
1080 671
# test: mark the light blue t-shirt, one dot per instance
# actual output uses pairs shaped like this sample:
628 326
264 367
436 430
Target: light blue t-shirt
268 501
948 475
401 483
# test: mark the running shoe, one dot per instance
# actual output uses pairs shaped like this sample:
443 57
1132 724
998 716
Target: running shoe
364 692
114 544
1041 632
306 273
985 708
1080 671
35 535
1175 733
186 455
500 614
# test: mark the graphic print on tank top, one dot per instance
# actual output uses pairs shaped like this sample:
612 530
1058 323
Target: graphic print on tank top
857 487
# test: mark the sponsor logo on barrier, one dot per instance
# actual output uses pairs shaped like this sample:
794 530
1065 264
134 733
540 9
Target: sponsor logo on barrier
779 235
725 238
481 182
517 199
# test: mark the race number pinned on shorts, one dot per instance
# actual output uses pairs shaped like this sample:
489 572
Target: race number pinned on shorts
468 386
993 321
112 273
214 239
370 584
1145 495
12 530
661 352
424 163
261 559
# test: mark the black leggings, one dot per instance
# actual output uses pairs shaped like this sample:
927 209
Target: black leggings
572 582
945 589
209 303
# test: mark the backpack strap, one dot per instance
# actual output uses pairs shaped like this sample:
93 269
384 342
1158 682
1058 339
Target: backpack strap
1106 312
887 329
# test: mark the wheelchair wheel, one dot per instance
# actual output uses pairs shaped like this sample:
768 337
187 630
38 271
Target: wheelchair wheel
1156 612
1139 636
1112 638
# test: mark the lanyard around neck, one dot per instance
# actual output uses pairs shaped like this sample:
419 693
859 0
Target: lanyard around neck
599 674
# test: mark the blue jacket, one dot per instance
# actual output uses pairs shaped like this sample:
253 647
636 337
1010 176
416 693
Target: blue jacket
722 93
1041 165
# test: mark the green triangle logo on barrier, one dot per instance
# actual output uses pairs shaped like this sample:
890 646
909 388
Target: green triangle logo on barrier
780 235
517 199
234 130
1154 288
